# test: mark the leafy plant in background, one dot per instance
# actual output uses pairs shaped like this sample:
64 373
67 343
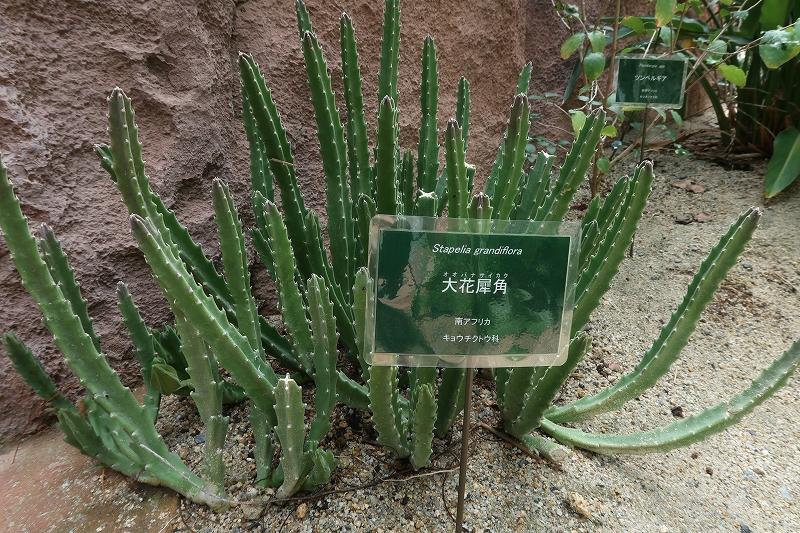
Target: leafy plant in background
218 327
743 53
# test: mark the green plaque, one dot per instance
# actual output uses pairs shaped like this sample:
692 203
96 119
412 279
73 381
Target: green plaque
651 82
471 293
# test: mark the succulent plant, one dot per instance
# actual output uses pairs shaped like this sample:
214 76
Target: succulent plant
323 297
388 184
114 427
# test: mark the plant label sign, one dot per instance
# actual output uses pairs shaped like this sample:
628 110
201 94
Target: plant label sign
652 82
470 293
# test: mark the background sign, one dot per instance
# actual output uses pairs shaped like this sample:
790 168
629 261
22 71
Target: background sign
452 292
650 81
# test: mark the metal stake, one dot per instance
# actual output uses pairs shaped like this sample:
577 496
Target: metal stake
462 471
641 158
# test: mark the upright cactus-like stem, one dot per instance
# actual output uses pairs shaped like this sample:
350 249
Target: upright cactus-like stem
573 170
207 395
463 109
524 79
480 208
292 304
334 161
231 347
261 178
290 429
523 83
357 141
323 326
457 186
361 291
407 183
423 424
263 446
426 204
451 396
428 152
387 411
536 187
542 391
143 344
278 153
510 169
390 53
365 209
596 279
386 160
237 273
56 260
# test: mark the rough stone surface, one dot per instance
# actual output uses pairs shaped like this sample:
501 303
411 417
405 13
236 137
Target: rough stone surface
177 60
62 490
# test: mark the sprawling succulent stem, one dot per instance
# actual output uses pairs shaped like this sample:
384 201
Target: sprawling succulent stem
691 429
675 334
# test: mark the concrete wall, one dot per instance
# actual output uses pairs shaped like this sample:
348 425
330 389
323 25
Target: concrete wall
177 60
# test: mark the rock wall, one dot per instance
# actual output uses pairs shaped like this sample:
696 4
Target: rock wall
177 59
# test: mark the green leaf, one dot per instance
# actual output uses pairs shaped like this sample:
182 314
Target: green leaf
676 117
578 119
609 131
664 11
777 47
164 378
603 165
667 35
571 45
716 49
598 40
733 74
784 166
634 23
774 13
593 65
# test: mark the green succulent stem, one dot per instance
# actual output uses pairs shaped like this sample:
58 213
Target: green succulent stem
691 429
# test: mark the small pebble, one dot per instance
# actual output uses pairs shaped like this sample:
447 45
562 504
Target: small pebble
579 504
302 510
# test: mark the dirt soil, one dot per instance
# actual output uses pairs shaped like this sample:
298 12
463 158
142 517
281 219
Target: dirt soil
745 479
